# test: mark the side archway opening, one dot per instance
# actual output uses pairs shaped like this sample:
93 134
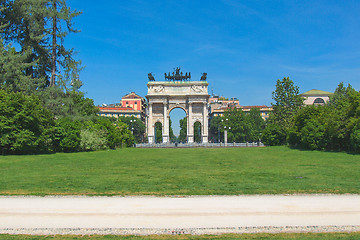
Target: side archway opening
197 132
158 132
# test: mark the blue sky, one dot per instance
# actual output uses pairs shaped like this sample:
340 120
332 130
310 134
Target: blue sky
244 46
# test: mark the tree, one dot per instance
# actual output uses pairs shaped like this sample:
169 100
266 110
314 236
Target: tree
287 103
39 28
172 136
12 68
334 126
61 16
215 129
136 126
239 125
24 22
25 126
183 130
257 125
273 135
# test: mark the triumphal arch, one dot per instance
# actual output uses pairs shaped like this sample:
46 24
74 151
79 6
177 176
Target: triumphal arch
177 91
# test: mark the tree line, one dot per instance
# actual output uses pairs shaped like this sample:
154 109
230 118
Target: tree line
41 106
334 126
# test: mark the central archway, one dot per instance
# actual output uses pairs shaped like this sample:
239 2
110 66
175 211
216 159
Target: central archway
191 96
178 122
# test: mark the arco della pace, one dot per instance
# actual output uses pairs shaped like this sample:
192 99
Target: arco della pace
177 91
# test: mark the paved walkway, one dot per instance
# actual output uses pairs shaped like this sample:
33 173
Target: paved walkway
198 212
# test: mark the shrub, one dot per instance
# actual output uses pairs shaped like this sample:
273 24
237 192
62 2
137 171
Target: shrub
274 135
92 139
24 124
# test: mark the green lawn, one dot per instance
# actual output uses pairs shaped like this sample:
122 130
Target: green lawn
196 171
263 236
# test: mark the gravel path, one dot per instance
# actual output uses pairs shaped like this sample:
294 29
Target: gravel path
179 215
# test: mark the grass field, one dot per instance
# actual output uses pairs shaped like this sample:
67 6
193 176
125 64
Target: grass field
201 171
263 236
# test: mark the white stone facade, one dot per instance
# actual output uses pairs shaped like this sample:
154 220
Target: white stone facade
164 96
310 100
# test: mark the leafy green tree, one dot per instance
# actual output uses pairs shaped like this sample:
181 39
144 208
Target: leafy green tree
68 135
239 125
173 138
183 130
25 126
215 129
287 103
273 135
340 117
117 135
333 126
355 138
136 126
125 138
257 125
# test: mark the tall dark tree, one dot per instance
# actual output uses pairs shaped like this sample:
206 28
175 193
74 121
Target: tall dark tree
39 28
60 17
24 22
12 68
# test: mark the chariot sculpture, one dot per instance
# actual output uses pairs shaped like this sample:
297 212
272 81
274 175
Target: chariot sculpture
177 75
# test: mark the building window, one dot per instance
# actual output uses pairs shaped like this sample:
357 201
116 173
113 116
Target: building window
319 101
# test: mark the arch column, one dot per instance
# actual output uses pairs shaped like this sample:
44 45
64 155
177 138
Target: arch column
165 132
190 126
150 125
205 124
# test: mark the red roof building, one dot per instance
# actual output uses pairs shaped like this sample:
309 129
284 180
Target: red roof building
131 105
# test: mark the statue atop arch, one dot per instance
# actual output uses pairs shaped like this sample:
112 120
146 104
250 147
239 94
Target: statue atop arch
177 76
151 77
